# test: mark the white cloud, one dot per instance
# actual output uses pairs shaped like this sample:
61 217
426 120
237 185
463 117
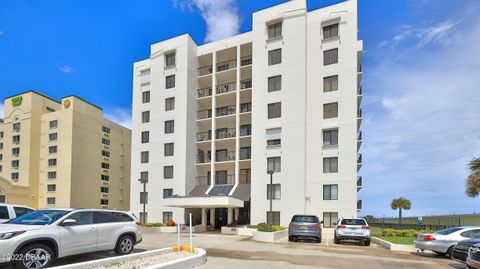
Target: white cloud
66 69
423 122
121 116
221 17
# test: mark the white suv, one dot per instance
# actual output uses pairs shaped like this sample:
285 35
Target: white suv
34 240
352 229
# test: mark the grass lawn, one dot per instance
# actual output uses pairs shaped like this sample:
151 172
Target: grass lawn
377 232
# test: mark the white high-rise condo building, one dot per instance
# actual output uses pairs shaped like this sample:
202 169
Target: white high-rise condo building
209 121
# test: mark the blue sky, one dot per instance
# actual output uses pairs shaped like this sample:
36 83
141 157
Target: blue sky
421 77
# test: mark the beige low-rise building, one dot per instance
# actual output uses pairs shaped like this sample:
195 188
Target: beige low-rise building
62 154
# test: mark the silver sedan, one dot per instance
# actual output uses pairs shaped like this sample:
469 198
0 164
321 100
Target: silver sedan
442 242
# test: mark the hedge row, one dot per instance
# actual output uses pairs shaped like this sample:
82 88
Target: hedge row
403 233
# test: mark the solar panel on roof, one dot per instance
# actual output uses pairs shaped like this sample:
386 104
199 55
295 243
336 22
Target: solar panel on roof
220 190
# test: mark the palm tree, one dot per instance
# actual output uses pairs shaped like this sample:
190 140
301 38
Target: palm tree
473 180
400 204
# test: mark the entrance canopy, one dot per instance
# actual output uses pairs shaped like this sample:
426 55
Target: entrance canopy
204 202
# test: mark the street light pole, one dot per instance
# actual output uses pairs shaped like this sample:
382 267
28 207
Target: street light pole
270 219
143 199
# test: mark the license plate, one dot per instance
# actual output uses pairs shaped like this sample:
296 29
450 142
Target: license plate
303 227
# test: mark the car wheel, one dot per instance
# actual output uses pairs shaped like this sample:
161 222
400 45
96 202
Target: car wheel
318 240
367 242
450 252
336 240
290 238
124 245
35 256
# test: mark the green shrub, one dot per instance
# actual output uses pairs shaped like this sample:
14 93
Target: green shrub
232 224
263 227
154 224
403 233
252 226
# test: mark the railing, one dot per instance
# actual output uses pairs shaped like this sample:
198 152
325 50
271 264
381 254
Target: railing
204 136
359 112
224 156
359 68
225 133
246 130
223 66
226 110
205 70
359 158
359 90
359 181
224 88
244 178
246 84
204 114
203 158
246 60
203 180
245 153
224 179
359 135
204 92
245 107
359 205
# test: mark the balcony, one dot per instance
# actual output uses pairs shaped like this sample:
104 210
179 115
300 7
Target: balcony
224 179
203 180
245 178
227 65
204 92
204 114
245 107
225 111
204 70
359 117
246 130
359 205
246 60
204 136
225 88
224 156
203 158
225 133
359 183
245 153
359 68
359 139
359 95
359 161
245 84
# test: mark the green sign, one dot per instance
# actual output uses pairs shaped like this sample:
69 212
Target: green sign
16 101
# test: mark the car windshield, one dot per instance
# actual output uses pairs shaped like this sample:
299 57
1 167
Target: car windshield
39 217
448 231
353 222
310 219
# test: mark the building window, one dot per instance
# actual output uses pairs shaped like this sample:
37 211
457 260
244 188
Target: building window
14 176
275 56
167 216
276 191
16 126
274 83
168 172
52 149
1 157
1 135
330 57
105 129
53 124
104 178
51 187
274 164
105 165
330 84
274 137
167 193
104 189
15 151
330 219
145 116
274 110
106 153
52 175
168 149
330 192
16 139
50 200
145 97
15 163
330 165
1 145
330 31
106 141
330 110
169 103
145 137
274 30
170 59
103 201
144 156
330 137
52 162
169 126
53 137
276 217
169 81
144 176
145 76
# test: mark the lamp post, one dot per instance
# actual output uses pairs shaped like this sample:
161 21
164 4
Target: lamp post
144 199
270 219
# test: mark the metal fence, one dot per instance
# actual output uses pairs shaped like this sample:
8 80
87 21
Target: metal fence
428 222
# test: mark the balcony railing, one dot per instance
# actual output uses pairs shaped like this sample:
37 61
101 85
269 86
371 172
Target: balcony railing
226 110
224 88
204 114
246 84
245 153
204 136
359 205
359 90
205 70
359 158
244 178
203 180
225 133
246 130
359 136
246 60
359 68
203 158
224 179
204 92
359 112
359 182
223 66
224 156
245 107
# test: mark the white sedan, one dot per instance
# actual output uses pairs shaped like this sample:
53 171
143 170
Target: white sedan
442 242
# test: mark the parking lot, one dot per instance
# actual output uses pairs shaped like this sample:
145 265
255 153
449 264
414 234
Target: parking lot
240 252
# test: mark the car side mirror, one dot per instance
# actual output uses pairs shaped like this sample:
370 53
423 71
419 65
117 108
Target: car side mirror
69 222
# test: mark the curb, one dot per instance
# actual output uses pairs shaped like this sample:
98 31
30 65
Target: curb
392 246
